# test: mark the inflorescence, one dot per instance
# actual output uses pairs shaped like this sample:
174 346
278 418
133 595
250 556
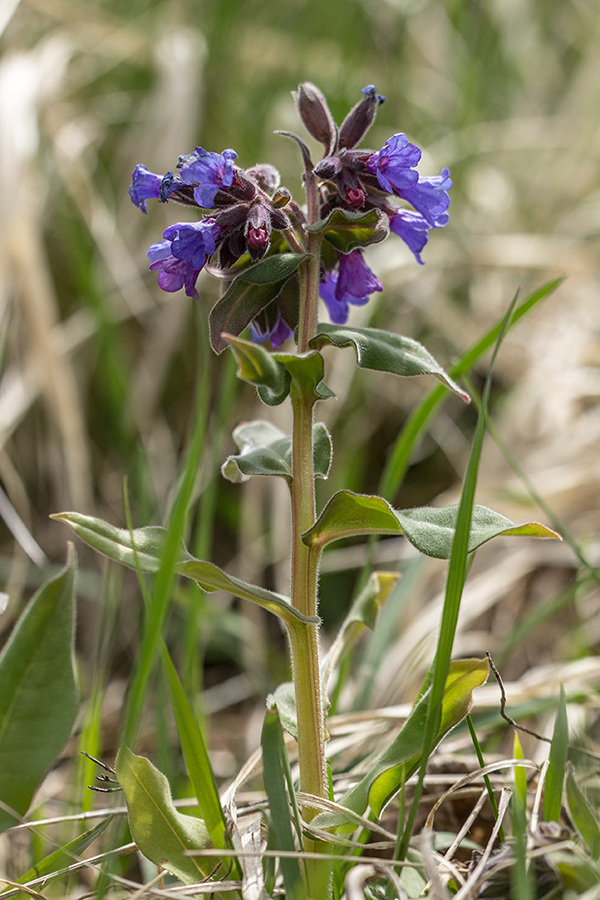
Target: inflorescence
246 214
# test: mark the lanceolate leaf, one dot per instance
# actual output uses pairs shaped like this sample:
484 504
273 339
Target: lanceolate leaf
161 832
385 352
430 529
347 230
582 814
38 693
64 857
401 759
144 546
248 295
266 450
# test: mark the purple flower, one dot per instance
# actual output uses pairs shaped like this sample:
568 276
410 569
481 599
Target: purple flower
173 274
193 242
412 228
354 284
207 172
429 196
277 333
394 163
145 186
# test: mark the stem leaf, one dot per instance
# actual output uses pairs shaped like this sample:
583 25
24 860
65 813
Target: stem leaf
385 352
429 529
248 294
266 450
143 547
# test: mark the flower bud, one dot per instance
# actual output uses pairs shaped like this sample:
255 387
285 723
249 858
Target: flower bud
266 176
315 114
360 118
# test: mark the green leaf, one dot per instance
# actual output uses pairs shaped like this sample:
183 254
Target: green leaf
161 832
248 294
429 529
583 815
259 367
280 826
555 776
61 859
144 547
347 230
402 757
266 450
306 370
38 692
196 755
385 352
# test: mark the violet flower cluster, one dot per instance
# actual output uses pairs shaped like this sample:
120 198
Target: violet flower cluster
247 214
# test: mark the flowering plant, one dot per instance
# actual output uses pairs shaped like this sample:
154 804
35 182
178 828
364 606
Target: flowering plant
278 257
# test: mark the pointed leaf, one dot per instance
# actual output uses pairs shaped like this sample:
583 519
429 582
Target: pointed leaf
347 230
38 692
280 826
161 832
385 352
403 756
266 450
559 749
144 547
429 529
248 294
60 859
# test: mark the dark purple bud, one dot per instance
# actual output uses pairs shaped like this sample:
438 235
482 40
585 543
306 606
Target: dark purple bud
279 219
315 114
328 168
355 198
360 118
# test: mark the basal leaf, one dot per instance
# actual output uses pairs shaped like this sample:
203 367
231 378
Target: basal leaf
266 450
347 230
555 776
402 757
430 529
161 832
385 352
248 294
38 692
144 546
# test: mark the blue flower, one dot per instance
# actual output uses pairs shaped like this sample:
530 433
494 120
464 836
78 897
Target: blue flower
180 258
394 164
193 242
173 274
412 228
354 283
145 186
208 172
277 333
429 196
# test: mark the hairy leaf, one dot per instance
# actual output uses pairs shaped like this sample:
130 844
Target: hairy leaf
161 832
144 547
248 294
38 692
429 529
266 450
385 352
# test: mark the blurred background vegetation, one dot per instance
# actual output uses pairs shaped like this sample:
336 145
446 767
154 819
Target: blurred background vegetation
102 374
